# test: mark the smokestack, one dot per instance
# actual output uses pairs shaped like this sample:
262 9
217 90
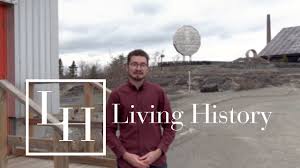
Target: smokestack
268 28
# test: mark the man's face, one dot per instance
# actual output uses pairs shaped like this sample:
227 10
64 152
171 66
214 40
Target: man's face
137 68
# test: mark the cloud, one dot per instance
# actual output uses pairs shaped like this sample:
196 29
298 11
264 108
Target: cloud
227 28
148 7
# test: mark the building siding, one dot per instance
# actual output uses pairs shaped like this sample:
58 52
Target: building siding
36 47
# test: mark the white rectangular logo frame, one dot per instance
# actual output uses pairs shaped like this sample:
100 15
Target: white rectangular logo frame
28 153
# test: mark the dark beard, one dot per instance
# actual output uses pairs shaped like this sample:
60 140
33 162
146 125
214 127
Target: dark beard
136 78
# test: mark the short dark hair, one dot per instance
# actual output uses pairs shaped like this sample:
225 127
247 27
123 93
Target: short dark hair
137 52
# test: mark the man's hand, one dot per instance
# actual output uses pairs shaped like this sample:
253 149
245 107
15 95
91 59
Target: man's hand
134 160
151 157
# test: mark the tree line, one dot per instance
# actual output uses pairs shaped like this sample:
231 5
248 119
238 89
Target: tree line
114 73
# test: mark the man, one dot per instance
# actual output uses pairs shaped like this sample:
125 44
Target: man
140 144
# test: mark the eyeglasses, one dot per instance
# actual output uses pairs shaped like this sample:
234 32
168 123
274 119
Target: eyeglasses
135 65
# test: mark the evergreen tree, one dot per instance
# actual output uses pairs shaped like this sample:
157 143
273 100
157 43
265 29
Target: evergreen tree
73 70
61 69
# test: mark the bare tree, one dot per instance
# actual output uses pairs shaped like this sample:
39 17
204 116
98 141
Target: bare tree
155 58
83 69
115 72
176 58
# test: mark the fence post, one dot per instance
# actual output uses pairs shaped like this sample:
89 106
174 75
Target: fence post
60 161
88 101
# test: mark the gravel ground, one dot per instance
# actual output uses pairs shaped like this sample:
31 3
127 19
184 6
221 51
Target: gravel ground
237 145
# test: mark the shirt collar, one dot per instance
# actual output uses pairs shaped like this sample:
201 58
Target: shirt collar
133 87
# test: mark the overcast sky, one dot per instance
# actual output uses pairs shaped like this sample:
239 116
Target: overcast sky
96 30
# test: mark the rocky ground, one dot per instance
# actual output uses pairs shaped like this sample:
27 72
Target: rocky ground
227 76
